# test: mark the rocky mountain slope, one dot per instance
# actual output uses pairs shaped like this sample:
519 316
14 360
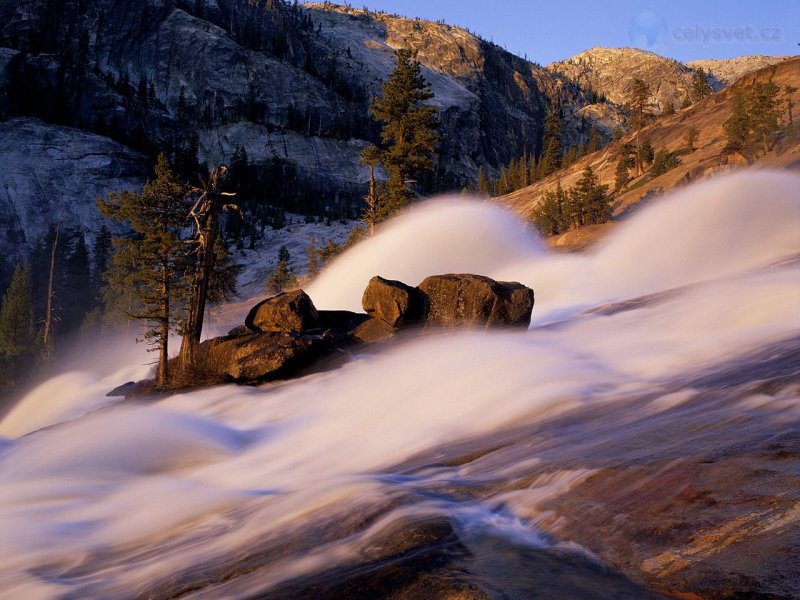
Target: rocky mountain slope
288 85
668 132
727 70
609 72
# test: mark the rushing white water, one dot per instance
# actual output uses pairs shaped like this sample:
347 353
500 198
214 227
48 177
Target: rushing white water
104 500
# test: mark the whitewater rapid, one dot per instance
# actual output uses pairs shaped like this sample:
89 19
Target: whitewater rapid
105 499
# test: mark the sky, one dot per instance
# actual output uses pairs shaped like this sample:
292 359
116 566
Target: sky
681 29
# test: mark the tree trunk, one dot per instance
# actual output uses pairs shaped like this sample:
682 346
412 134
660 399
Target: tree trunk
371 201
48 316
190 345
162 376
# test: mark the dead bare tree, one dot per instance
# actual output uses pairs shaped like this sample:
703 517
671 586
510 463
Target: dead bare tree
205 216
48 315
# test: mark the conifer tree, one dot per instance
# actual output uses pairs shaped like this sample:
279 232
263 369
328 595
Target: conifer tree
664 161
551 217
16 315
621 174
754 117
594 140
646 152
669 109
788 90
690 137
552 155
590 202
150 265
408 137
281 276
701 88
637 105
764 112
737 127
484 186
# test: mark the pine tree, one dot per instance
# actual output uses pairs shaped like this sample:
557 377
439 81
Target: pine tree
687 101
789 90
690 137
550 216
484 186
764 111
552 155
621 174
594 140
646 152
701 88
664 161
590 202
16 315
755 116
150 265
669 109
281 276
737 127
408 137
637 104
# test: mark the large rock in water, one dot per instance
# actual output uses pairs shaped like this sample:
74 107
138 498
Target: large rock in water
393 302
288 311
261 356
475 301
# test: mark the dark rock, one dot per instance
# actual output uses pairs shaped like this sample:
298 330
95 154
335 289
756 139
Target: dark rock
261 356
392 301
240 330
340 320
475 301
288 311
373 331
129 389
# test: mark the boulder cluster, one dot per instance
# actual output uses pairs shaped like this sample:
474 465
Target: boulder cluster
286 333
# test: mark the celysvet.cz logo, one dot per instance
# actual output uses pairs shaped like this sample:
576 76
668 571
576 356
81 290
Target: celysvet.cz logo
714 34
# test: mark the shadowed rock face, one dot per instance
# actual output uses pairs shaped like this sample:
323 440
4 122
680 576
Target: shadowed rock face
55 174
286 84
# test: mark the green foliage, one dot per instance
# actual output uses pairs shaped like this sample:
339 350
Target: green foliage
551 216
664 161
552 153
408 137
646 152
755 116
621 174
149 271
690 137
16 315
281 278
701 87
637 103
589 200
586 203
594 140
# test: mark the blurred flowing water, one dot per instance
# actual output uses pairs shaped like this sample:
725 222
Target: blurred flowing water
453 439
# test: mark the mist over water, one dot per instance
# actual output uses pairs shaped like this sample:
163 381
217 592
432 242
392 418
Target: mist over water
105 499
